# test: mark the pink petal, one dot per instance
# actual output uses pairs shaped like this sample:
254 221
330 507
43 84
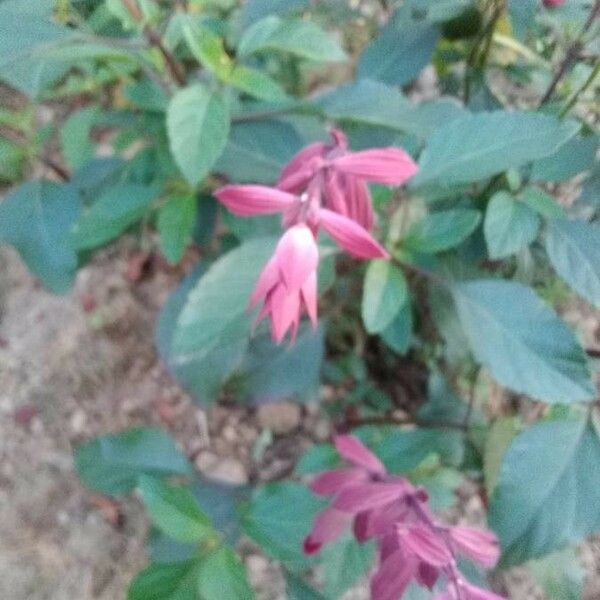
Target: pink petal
285 312
427 575
267 280
384 519
427 545
300 159
329 524
339 138
390 166
367 496
392 577
360 526
309 296
335 193
297 256
331 482
351 236
355 452
360 207
249 200
479 545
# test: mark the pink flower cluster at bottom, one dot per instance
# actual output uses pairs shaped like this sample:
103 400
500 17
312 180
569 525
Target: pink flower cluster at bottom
324 186
413 545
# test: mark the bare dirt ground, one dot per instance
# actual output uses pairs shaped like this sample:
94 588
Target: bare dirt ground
76 366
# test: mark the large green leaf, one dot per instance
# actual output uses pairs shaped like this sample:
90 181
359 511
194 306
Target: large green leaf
442 230
544 496
257 84
404 46
111 214
174 510
477 146
280 531
574 157
522 342
176 220
256 151
167 581
223 576
198 127
574 250
112 464
385 292
35 218
509 225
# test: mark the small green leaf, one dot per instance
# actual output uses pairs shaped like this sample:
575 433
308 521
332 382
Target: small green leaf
469 148
398 334
509 225
207 47
385 292
167 581
574 251
317 458
176 220
544 204
111 214
298 37
501 434
223 576
442 230
75 136
257 84
523 343
111 464
174 511
198 127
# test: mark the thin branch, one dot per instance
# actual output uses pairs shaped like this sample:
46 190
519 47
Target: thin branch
391 420
573 100
572 54
155 39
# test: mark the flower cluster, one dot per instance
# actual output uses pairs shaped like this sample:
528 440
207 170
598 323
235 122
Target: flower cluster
413 545
324 186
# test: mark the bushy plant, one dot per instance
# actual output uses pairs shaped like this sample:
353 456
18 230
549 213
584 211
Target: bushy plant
421 227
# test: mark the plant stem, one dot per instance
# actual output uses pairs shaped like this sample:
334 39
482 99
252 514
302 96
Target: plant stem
155 39
391 420
571 55
573 100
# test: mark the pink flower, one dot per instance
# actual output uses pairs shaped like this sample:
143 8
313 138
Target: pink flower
553 3
288 283
413 545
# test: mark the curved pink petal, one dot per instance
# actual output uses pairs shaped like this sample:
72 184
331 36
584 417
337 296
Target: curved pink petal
339 138
392 577
299 160
329 524
250 200
480 545
267 280
351 236
360 207
354 451
331 482
367 496
335 197
285 312
390 166
297 256
309 296
427 545
427 575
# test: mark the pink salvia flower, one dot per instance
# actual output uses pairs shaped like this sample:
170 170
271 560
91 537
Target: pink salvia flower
553 3
322 187
413 545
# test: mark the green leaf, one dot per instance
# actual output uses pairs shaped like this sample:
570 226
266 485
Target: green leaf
320 457
257 84
35 218
574 157
560 575
385 292
198 127
174 511
501 434
111 464
176 220
442 230
544 204
206 46
273 373
256 151
398 334
574 251
345 561
470 148
253 10
222 575
278 530
298 37
404 46
523 343
509 225
168 581
75 136
12 158
111 214
542 501
298 590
